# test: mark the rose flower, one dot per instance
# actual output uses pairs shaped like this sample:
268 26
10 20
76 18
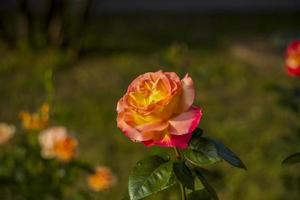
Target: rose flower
56 143
292 61
102 179
157 109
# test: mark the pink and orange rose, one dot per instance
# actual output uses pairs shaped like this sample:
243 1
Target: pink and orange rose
157 109
292 62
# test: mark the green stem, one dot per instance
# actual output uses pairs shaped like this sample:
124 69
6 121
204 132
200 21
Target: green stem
83 166
182 189
177 153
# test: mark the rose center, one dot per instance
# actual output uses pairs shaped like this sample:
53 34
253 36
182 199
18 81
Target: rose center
150 92
293 61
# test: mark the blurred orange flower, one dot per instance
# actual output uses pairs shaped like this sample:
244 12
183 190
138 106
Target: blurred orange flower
102 179
6 132
56 143
36 121
65 148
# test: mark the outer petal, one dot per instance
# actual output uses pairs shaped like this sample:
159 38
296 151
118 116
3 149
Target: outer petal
186 122
129 131
188 93
174 80
293 71
134 85
152 127
120 105
180 130
293 47
180 141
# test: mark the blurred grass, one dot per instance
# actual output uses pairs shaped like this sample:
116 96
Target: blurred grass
235 61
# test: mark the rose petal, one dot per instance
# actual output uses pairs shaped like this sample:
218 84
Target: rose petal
47 139
120 105
293 47
175 81
292 62
153 126
129 131
188 93
293 71
186 122
180 141
149 76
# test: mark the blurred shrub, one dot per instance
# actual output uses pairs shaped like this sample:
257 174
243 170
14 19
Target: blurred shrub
40 162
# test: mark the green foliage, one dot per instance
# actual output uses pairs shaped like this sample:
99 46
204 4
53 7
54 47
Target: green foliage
204 151
199 195
150 176
184 175
156 173
228 155
292 159
24 173
39 162
206 185
201 152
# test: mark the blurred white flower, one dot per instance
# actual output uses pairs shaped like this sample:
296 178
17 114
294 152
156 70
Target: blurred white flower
56 143
6 132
